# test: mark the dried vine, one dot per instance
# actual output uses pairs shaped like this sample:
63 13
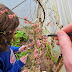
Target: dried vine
42 9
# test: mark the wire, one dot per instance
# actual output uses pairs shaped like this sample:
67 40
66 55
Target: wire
18 5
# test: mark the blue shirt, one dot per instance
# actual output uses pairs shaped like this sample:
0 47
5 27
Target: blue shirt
5 65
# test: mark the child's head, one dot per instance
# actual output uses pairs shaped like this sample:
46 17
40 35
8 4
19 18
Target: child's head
6 25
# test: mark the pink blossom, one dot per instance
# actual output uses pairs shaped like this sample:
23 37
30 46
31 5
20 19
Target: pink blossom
25 71
38 41
40 28
57 67
14 14
40 53
5 10
43 36
25 18
44 42
38 59
33 25
47 37
35 55
40 37
10 16
35 61
4 33
38 31
38 62
33 67
39 44
31 44
25 22
43 46
36 50
10 31
29 22
35 30
48 43
37 27
1 12
36 24
48 24
17 29
54 66
59 63
14 31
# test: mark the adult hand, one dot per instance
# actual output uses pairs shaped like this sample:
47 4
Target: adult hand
23 48
24 59
65 42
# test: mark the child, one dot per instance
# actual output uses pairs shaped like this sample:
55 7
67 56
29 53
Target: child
8 23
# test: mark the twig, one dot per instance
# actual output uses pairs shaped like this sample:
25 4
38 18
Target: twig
60 65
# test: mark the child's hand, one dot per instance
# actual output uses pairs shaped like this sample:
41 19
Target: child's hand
23 48
24 59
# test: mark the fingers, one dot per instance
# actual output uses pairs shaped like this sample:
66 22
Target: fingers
68 28
56 38
23 48
64 41
20 49
27 54
24 58
57 42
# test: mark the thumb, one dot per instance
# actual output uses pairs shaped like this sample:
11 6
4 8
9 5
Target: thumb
64 41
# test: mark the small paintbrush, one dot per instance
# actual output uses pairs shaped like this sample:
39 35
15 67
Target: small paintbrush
54 35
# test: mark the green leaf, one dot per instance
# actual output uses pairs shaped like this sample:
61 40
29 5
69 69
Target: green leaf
19 34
